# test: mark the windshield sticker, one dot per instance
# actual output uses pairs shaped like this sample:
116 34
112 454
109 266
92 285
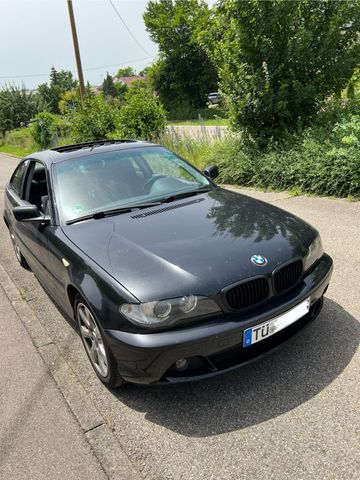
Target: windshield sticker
78 209
170 155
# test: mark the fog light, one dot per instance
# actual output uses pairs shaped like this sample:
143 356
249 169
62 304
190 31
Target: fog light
182 364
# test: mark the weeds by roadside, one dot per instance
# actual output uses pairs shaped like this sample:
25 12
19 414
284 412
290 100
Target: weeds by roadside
323 159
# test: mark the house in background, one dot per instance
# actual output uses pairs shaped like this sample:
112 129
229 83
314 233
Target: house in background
95 89
127 80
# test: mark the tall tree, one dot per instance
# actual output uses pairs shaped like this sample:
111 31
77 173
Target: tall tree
51 93
108 86
125 72
279 60
184 72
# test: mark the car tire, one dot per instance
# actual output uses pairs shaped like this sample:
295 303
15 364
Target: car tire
19 256
97 350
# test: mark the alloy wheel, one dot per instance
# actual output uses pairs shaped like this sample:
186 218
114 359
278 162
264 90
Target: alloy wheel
93 340
15 247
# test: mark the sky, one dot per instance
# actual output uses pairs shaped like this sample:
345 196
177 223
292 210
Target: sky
35 35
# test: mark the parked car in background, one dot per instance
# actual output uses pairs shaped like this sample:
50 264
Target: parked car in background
214 98
169 277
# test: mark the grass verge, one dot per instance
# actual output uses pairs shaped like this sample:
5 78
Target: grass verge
18 142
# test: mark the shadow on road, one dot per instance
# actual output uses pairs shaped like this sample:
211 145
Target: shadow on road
290 376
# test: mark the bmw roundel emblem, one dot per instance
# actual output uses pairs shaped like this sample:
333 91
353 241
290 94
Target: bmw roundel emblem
259 260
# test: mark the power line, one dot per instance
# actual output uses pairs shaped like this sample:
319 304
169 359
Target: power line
10 77
73 71
120 64
148 57
128 29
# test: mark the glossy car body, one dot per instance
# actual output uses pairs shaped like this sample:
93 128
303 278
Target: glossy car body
199 245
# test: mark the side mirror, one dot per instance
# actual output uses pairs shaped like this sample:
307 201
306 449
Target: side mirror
211 171
30 213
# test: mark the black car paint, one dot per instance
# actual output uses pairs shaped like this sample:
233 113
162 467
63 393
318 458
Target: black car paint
193 249
146 358
200 247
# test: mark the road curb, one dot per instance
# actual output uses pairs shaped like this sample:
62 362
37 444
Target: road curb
112 458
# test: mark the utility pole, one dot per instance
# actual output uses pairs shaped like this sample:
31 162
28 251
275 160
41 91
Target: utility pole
76 49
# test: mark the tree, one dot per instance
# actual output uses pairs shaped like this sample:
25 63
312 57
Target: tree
184 73
125 72
108 88
136 86
121 89
353 87
144 71
60 82
17 107
69 101
279 60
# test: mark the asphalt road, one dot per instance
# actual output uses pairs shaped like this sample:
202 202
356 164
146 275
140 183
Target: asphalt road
292 415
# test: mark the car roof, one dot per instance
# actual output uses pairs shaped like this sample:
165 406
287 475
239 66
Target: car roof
59 154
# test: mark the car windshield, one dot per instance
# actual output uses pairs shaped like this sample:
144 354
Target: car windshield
103 181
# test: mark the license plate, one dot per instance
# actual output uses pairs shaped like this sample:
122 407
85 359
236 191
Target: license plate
264 330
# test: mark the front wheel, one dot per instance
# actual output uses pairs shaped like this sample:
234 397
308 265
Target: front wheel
94 342
19 256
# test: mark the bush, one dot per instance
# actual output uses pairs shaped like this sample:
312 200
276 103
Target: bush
42 130
142 117
94 120
48 129
16 107
323 159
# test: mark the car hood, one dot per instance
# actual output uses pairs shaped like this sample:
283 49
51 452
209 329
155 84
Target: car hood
195 245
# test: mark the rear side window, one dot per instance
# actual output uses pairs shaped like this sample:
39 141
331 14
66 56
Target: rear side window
17 179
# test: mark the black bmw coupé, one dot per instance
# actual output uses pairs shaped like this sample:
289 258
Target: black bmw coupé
169 277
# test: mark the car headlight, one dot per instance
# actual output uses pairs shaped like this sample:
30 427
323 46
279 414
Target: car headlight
168 312
314 253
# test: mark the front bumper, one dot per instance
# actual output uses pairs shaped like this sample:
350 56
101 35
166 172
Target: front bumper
215 347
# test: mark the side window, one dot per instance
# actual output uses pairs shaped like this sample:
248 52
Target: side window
16 181
37 187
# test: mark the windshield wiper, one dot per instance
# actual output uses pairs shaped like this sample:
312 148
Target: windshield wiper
113 211
175 196
137 206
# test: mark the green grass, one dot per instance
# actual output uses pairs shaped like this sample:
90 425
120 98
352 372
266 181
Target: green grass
194 151
18 142
19 152
213 122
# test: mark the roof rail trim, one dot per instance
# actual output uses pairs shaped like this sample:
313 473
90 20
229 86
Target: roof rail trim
98 143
